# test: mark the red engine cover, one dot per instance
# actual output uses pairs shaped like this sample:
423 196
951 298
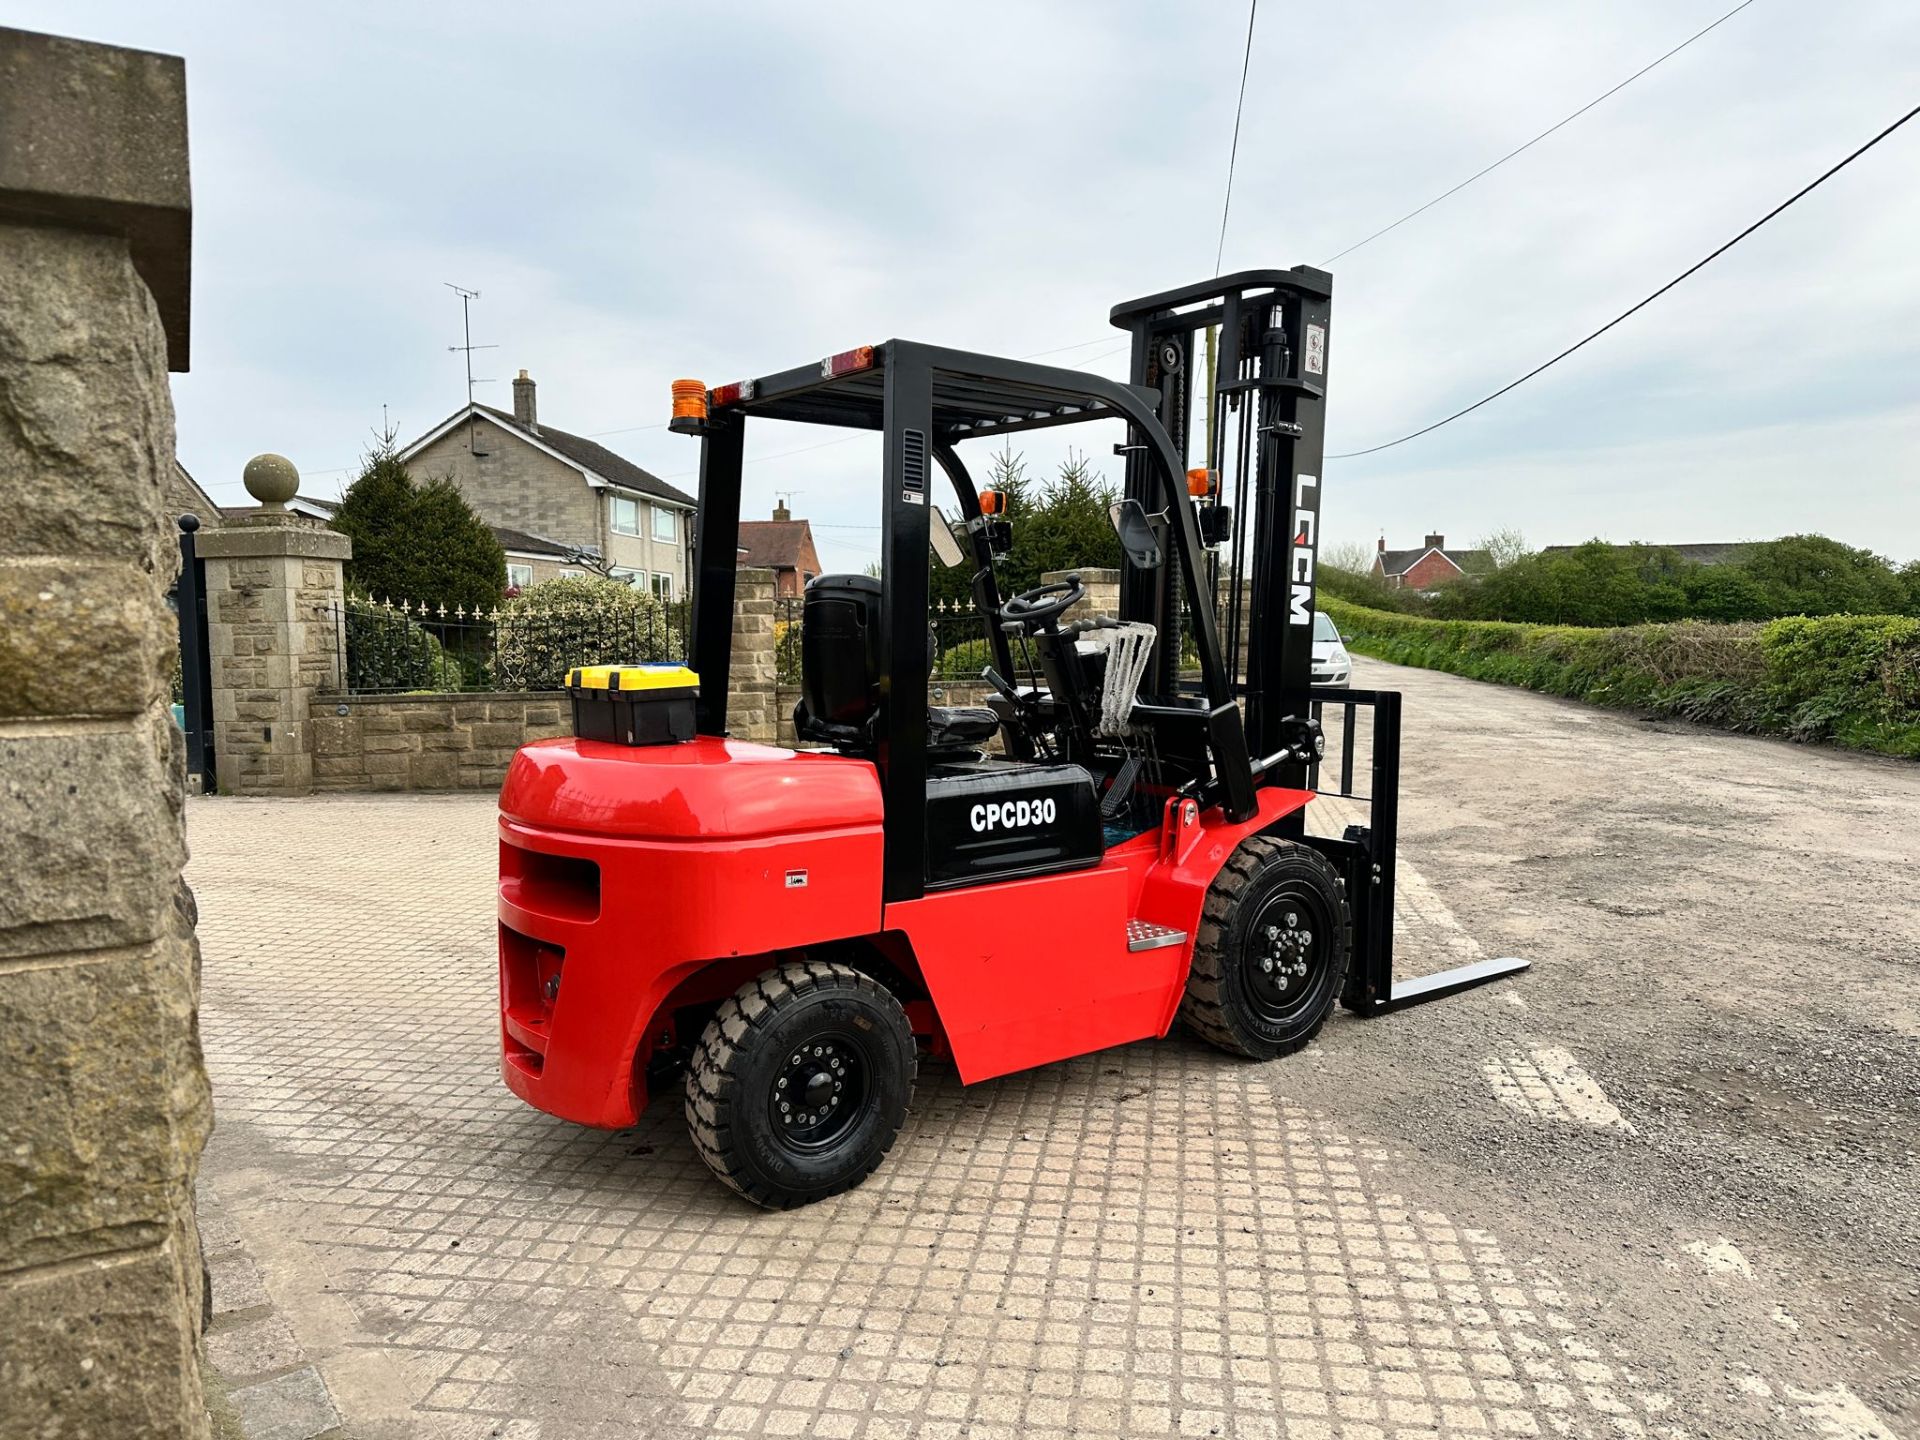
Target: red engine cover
700 788
624 869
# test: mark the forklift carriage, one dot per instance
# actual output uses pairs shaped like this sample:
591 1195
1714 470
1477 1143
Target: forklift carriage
792 929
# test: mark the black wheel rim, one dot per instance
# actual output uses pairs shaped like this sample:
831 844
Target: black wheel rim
819 1092
1287 954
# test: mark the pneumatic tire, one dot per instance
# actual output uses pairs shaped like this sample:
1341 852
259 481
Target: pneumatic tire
1271 957
800 1083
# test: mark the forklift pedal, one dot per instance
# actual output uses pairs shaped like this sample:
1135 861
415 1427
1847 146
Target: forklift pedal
1145 935
1114 803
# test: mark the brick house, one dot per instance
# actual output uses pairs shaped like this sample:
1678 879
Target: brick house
562 490
1428 565
783 545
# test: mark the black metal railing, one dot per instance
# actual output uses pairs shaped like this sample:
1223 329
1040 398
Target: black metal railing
393 648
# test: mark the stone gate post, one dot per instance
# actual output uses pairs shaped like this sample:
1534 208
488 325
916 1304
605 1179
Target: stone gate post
102 1089
274 589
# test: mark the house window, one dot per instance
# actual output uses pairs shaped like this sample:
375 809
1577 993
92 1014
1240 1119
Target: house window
519 576
663 585
626 516
628 577
573 574
663 525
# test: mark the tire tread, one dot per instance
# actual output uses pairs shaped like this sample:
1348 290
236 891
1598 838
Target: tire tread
711 1086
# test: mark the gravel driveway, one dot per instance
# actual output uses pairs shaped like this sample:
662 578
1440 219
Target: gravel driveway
1663 1184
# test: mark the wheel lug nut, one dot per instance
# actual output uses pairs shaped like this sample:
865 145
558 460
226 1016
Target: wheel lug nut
1292 919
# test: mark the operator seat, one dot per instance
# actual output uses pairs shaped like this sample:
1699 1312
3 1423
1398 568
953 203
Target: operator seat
840 675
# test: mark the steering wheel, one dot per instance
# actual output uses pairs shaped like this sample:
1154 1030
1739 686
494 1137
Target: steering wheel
1040 607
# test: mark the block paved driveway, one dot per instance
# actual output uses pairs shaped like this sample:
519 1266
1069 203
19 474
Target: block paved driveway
1453 1222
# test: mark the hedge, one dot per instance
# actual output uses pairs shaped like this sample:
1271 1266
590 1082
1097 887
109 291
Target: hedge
1851 680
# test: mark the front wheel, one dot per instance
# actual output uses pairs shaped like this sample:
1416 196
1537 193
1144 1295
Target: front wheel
1271 957
800 1083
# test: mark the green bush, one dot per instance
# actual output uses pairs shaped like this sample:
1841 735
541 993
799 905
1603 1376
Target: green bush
549 628
387 650
963 661
1853 680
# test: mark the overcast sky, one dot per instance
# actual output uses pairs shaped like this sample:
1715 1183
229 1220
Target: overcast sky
644 192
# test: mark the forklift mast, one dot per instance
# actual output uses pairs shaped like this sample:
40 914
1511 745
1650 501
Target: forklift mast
1259 496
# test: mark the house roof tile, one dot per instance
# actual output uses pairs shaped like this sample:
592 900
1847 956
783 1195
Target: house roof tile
774 544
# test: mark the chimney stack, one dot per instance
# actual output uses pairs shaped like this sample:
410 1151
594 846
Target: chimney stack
1436 542
523 407
780 510
1382 547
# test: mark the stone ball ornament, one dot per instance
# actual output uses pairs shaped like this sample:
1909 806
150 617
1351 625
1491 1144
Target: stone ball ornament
272 480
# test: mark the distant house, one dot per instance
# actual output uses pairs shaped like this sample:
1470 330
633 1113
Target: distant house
783 545
1726 552
1427 566
184 496
567 492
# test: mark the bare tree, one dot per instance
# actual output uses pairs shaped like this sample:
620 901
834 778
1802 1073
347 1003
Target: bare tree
1349 555
1503 547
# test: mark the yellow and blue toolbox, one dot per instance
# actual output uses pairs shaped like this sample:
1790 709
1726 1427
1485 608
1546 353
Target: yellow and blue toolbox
648 704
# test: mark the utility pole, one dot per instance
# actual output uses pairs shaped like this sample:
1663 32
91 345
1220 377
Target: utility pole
467 297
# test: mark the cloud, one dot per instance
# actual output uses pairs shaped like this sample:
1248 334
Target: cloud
646 193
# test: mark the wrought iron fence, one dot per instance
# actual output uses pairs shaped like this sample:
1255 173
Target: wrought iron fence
389 648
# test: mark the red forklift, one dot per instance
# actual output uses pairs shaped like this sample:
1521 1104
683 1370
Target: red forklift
782 933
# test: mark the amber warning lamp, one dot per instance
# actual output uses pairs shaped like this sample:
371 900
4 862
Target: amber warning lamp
689 406
1200 483
991 502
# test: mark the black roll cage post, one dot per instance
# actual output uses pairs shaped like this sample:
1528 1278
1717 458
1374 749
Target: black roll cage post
925 399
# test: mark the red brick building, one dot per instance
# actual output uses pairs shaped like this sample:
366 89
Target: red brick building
783 545
1428 566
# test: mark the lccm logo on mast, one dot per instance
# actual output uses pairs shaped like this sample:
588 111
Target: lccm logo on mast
1305 521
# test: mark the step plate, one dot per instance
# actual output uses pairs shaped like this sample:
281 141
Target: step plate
1145 935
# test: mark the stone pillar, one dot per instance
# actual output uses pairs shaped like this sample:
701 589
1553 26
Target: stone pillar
274 591
102 1088
750 685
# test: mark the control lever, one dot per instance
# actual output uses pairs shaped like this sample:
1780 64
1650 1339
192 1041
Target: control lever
999 682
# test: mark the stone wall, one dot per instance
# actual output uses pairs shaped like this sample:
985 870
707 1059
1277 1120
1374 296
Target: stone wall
464 742
103 1091
428 742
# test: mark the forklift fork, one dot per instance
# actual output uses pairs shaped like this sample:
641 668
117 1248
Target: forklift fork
1366 858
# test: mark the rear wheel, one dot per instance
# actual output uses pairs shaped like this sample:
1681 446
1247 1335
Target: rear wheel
800 1083
1271 957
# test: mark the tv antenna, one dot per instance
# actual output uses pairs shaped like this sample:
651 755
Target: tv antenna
467 297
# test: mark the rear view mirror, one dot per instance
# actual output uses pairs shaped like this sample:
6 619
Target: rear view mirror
946 549
1135 530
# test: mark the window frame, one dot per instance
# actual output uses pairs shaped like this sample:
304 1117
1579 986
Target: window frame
614 502
672 536
524 568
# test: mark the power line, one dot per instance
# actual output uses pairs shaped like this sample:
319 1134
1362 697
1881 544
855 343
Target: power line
1234 152
1691 269
1536 139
